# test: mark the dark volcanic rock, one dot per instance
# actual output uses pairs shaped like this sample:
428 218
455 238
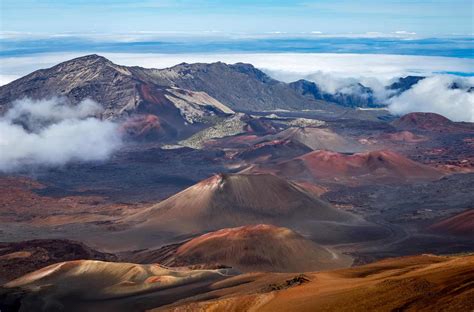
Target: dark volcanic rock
356 95
240 86
405 83
19 258
91 76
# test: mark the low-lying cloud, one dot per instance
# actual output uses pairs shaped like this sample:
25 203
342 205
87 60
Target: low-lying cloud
53 132
450 96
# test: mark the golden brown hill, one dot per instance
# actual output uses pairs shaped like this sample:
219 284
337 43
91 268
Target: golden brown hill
417 283
88 285
233 198
230 200
19 258
250 249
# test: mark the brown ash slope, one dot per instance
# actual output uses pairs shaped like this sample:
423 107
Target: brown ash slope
229 200
249 248
89 285
389 285
315 139
461 224
399 284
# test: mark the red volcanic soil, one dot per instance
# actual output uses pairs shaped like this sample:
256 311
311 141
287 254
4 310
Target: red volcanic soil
250 248
154 96
460 224
20 202
311 187
429 122
417 283
404 136
19 258
381 165
143 127
426 121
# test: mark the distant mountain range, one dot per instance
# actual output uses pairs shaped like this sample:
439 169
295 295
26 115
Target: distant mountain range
178 101
240 87
124 89
354 95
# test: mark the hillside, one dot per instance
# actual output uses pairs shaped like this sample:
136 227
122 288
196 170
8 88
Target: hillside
376 165
250 248
388 285
230 200
459 224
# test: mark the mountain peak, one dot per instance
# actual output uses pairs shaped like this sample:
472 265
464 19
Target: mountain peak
92 57
87 60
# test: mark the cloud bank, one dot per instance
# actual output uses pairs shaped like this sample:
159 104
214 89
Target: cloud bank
450 96
53 133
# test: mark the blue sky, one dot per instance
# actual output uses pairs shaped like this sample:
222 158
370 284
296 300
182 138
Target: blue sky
424 17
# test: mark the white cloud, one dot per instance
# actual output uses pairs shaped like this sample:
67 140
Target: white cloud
436 95
51 133
404 32
35 114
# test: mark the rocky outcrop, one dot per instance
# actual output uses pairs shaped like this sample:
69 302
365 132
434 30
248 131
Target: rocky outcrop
354 95
19 258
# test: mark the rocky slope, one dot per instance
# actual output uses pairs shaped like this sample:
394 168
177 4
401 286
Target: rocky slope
229 200
19 258
315 139
369 166
355 95
103 285
399 284
460 224
431 122
250 248
389 285
240 86
127 90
